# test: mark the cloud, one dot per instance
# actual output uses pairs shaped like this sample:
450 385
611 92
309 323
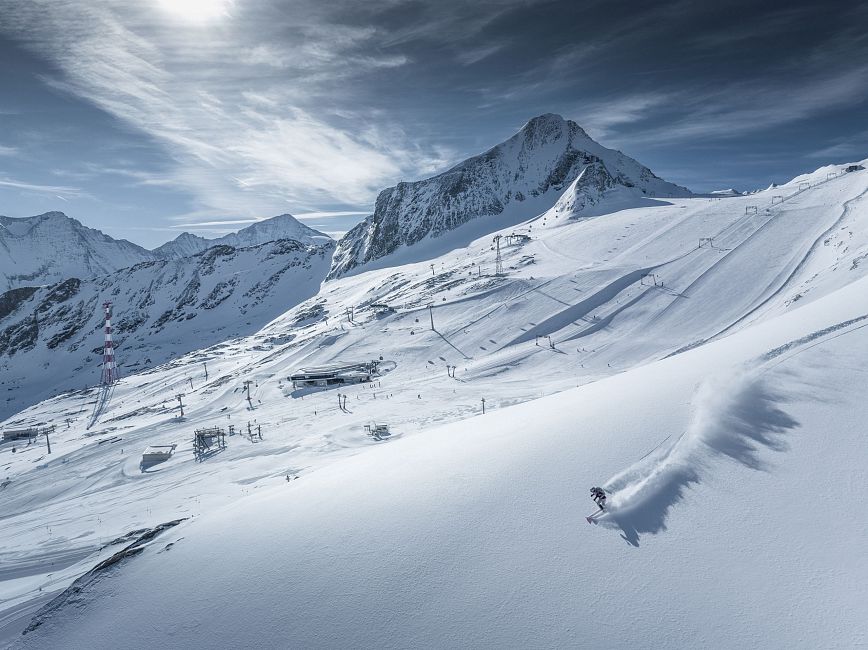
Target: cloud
33 187
8 151
330 213
203 224
477 54
741 108
243 121
601 118
853 147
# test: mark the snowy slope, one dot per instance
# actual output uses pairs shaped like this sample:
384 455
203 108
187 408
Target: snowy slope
458 531
473 534
284 226
507 184
161 309
51 247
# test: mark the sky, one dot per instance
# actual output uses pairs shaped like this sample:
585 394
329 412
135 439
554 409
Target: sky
147 118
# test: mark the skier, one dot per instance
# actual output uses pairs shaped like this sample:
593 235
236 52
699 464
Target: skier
599 497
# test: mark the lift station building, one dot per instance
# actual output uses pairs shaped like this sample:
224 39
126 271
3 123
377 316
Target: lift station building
334 375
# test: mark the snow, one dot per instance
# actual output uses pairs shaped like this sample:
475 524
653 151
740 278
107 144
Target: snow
720 402
52 247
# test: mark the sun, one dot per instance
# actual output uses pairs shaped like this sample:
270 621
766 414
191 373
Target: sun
197 11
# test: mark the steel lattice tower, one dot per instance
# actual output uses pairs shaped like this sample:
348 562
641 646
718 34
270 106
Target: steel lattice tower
109 367
498 262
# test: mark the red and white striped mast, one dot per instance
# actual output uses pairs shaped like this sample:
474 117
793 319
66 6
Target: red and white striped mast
109 367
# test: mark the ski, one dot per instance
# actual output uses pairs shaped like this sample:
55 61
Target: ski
591 518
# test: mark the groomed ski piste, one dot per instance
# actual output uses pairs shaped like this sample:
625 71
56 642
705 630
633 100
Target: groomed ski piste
716 391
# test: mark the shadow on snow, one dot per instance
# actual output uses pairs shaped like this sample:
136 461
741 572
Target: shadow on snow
737 417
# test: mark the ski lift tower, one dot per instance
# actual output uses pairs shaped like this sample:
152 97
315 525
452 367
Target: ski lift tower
109 367
498 262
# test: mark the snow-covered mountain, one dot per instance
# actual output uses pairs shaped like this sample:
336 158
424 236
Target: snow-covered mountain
161 309
513 181
283 226
51 247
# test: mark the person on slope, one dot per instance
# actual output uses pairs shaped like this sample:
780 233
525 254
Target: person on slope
599 497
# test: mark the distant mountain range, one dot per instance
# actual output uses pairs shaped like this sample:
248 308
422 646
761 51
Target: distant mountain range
52 247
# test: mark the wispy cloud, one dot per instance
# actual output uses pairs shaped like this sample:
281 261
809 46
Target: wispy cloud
326 214
8 151
740 108
853 147
34 187
477 54
601 118
204 224
243 141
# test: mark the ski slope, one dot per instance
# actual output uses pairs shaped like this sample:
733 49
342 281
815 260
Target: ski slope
714 408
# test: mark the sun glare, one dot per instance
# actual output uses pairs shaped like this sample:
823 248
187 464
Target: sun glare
197 11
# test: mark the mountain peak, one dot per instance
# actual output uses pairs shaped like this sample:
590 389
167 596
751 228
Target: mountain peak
283 226
54 214
53 246
23 224
187 236
545 118
552 124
